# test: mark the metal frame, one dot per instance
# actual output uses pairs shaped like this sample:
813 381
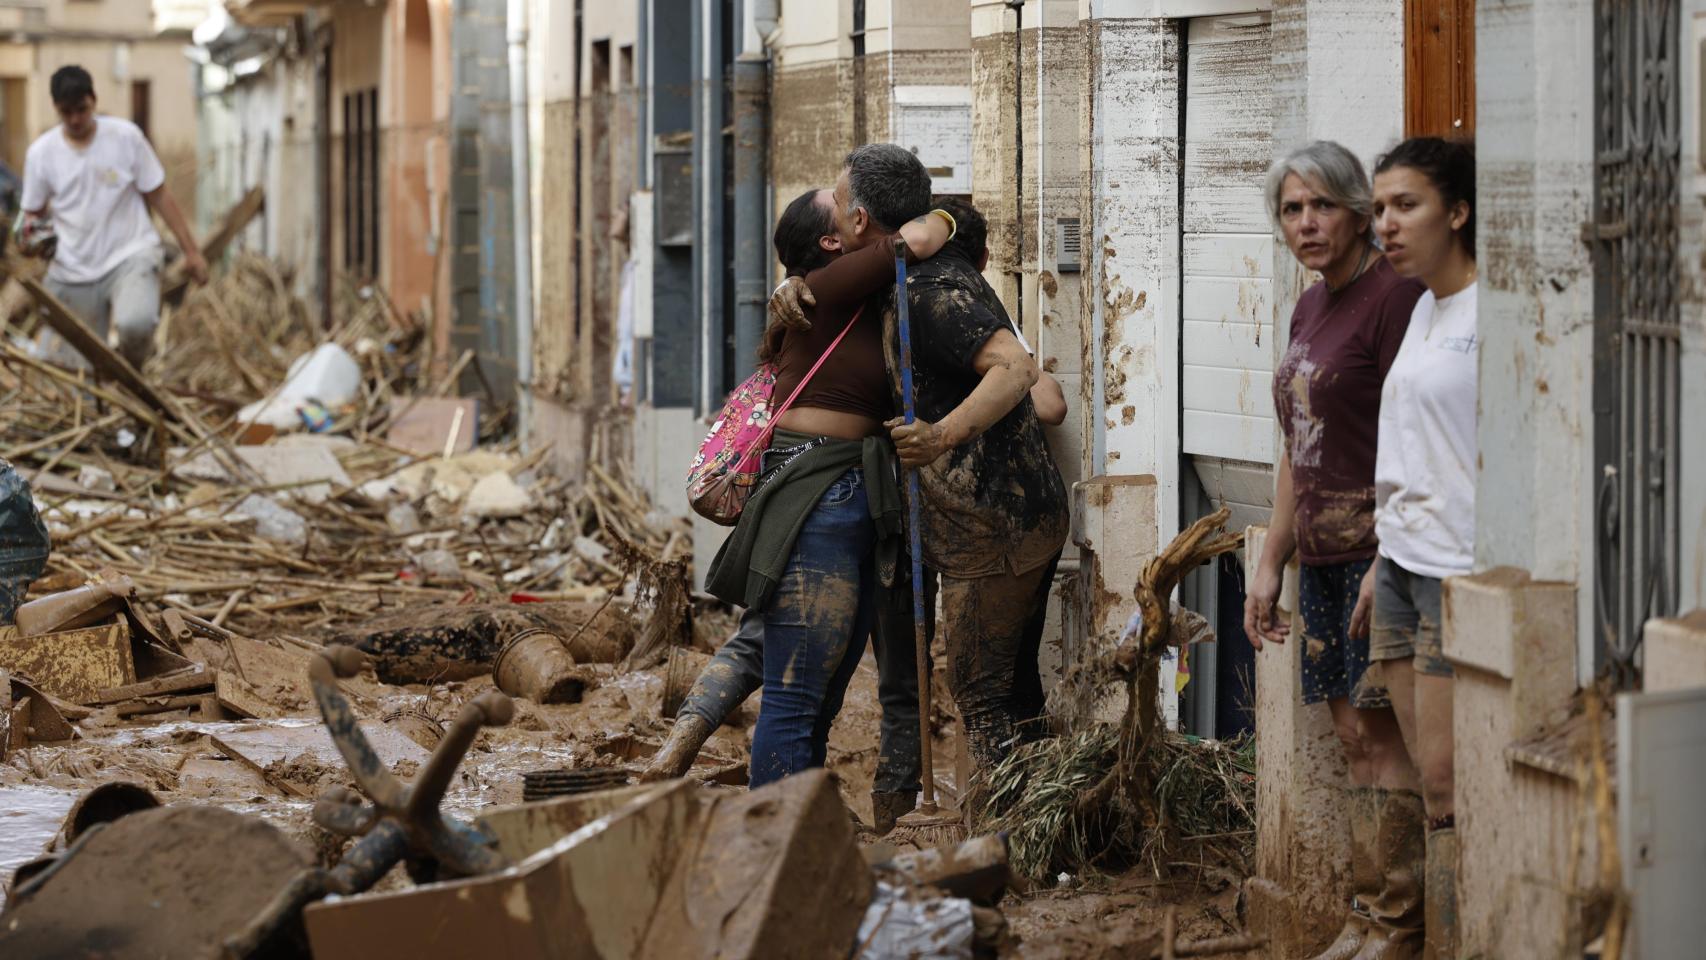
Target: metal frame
1637 326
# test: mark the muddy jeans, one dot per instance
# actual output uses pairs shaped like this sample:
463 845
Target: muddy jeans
128 296
738 670
814 631
987 621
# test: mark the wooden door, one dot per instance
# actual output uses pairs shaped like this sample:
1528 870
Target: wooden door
1439 68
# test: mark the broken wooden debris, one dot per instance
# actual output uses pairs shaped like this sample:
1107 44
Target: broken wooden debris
90 603
456 642
670 872
73 664
30 716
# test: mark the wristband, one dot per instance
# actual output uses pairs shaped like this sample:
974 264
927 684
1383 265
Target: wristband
953 225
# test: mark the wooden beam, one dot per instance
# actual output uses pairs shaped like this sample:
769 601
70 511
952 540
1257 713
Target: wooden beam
103 358
247 209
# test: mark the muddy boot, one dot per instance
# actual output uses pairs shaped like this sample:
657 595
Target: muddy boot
1395 913
678 752
1442 891
1365 878
887 806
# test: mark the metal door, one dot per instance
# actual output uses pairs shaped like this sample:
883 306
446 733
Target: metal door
1637 336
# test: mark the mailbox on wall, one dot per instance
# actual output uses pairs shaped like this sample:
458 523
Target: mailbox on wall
934 122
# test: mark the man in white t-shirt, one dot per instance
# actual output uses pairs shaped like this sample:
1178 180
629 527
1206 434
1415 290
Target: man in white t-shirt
97 177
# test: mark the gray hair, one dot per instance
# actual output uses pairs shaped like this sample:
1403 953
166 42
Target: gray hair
1329 167
889 182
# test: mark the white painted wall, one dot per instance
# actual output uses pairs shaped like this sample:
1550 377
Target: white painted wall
1228 245
1534 156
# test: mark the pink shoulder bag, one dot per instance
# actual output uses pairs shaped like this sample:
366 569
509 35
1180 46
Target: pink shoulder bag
729 462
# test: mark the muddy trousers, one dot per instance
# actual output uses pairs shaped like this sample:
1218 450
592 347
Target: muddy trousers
814 631
127 298
897 674
737 671
986 619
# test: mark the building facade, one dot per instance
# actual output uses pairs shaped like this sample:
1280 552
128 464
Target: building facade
1119 149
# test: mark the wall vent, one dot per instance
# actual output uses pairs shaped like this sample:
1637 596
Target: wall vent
1067 242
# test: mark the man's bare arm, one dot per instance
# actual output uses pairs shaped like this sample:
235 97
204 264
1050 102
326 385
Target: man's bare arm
1049 400
163 203
924 237
1008 373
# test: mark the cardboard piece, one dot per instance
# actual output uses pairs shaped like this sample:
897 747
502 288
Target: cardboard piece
421 425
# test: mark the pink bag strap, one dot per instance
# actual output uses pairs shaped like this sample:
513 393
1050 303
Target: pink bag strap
808 377
763 439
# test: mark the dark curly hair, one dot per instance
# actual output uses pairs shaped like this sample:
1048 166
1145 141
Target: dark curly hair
971 236
1449 165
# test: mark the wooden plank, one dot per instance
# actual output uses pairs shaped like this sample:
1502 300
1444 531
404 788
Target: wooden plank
103 358
198 679
177 279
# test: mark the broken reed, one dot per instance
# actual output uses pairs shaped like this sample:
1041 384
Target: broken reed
1205 798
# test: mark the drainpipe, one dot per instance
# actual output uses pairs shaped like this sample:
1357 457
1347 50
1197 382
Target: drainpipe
751 78
522 197
1018 8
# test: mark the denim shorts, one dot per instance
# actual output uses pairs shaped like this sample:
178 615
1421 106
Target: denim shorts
1407 619
1334 664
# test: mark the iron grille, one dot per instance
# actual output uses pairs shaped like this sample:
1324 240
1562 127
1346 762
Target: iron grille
1637 334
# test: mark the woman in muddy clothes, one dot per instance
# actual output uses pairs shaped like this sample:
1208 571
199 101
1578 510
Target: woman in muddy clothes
805 550
1424 202
1345 332
737 670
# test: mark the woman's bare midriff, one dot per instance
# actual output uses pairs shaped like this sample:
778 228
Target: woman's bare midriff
839 424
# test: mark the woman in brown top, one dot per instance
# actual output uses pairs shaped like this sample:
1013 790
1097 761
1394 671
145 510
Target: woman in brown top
1345 332
804 551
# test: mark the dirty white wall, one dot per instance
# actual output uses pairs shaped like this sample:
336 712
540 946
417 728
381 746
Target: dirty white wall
552 63
1534 154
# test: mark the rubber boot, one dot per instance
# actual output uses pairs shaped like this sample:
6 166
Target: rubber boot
887 806
1442 894
1400 853
1365 878
679 751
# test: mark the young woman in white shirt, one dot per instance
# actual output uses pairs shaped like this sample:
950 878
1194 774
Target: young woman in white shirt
1424 477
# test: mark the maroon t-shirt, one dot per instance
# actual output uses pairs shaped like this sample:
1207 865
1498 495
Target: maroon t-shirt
1327 397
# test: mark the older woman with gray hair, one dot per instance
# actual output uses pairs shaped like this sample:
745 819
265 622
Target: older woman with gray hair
1345 332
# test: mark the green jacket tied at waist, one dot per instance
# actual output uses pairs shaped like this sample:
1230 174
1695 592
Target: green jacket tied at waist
755 555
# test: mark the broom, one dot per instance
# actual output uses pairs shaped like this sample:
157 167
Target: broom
930 825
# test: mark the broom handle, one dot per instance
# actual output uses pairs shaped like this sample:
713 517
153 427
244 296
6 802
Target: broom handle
921 651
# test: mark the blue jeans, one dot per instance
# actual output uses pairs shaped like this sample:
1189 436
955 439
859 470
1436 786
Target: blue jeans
814 631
